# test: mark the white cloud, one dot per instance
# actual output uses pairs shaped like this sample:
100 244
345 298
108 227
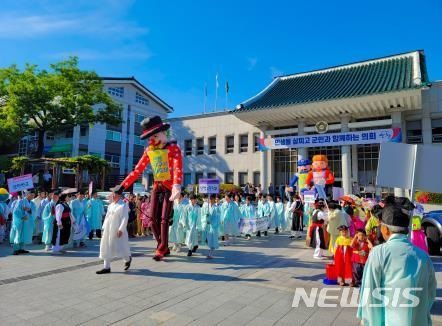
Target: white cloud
275 72
134 53
15 25
252 63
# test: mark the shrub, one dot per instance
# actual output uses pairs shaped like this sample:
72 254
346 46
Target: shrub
424 197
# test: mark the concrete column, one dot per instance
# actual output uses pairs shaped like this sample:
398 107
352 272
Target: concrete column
263 163
75 141
354 163
302 151
396 117
346 158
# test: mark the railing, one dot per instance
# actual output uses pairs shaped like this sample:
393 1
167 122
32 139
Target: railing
437 138
414 139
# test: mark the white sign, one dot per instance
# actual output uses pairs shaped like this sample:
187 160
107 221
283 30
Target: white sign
138 188
20 183
337 139
189 188
68 171
208 186
410 167
309 197
252 225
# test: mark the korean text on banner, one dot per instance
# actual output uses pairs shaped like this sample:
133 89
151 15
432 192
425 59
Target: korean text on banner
20 183
208 186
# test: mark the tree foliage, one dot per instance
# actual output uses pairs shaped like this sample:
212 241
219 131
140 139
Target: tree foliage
63 97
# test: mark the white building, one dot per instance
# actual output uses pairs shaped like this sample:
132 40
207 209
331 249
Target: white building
120 145
384 93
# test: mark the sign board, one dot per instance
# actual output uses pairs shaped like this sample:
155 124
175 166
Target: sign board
138 188
410 167
376 136
68 171
252 225
208 186
20 183
309 197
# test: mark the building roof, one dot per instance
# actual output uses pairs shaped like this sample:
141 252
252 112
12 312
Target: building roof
133 80
388 74
198 116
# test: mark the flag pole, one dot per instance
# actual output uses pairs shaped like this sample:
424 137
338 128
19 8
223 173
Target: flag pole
227 95
216 91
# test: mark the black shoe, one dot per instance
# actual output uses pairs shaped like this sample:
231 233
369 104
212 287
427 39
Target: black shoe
265 233
16 253
82 245
292 237
223 238
167 252
248 236
157 258
258 234
276 231
104 271
127 264
22 251
91 235
195 249
189 253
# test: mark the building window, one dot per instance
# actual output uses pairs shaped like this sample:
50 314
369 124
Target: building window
211 175
242 178
243 143
114 160
141 99
228 177
230 144
368 157
436 130
187 179
198 176
113 135
256 142
83 130
139 118
414 132
23 146
199 146
116 91
138 140
69 133
285 162
188 147
50 136
256 178
212 145
150 181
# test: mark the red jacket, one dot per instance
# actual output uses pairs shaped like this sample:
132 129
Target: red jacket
175 167
360 247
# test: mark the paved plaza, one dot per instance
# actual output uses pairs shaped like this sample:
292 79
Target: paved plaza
248 283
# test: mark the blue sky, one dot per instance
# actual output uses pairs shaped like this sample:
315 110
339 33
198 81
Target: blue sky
176 47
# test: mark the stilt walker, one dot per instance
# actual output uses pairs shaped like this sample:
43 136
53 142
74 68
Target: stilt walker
166 161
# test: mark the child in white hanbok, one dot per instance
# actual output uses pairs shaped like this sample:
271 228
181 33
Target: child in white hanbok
210 220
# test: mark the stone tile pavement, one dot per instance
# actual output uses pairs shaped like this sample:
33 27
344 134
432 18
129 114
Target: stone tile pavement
248 283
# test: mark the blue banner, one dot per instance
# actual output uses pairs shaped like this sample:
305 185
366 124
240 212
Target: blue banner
376 136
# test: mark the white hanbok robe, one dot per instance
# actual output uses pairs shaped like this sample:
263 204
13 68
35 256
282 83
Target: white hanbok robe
116 220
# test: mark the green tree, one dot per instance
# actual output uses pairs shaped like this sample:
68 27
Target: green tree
49 101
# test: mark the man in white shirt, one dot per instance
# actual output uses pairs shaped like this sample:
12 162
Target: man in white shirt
115 241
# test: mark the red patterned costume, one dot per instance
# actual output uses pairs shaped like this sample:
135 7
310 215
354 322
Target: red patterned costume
167 166
343 259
